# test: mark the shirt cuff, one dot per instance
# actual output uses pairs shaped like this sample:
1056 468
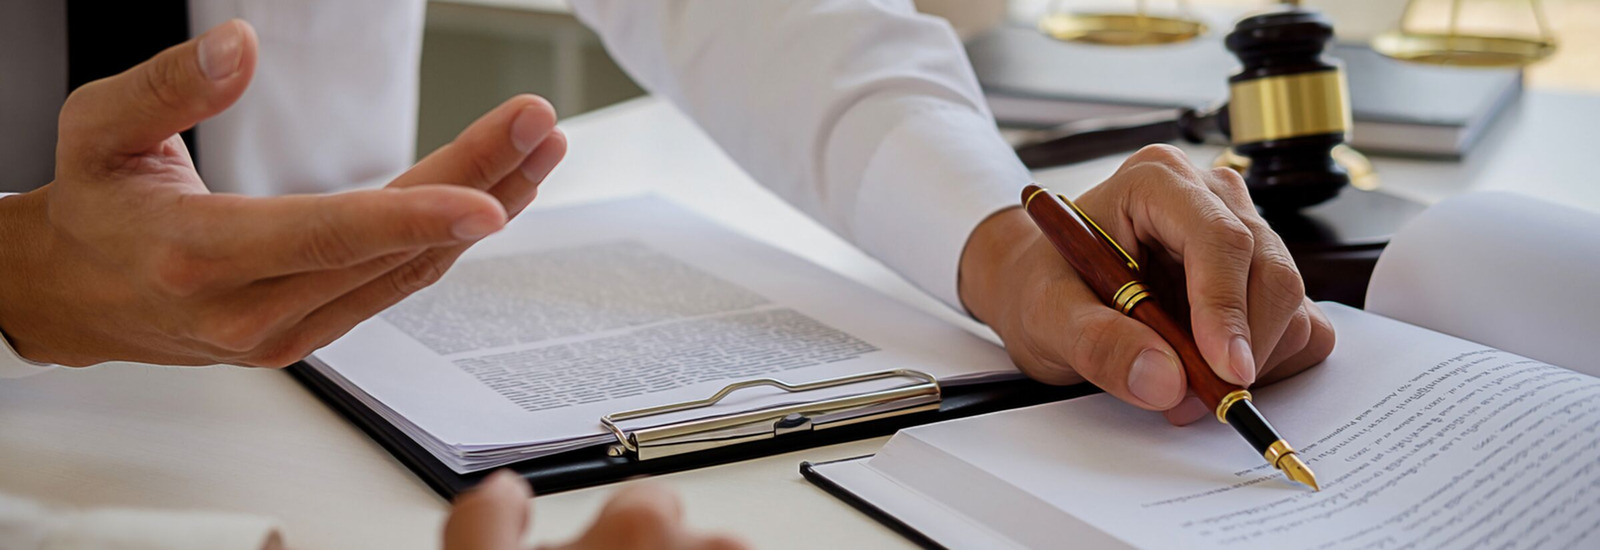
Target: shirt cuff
933 178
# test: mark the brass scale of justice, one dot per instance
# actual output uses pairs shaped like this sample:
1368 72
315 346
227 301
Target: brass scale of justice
1286 122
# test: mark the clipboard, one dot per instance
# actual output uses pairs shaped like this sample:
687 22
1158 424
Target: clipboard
712 440
883 517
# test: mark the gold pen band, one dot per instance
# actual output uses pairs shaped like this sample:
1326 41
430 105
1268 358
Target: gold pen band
1276 451
1130 295
1234 396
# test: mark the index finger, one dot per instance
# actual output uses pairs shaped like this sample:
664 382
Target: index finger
240 239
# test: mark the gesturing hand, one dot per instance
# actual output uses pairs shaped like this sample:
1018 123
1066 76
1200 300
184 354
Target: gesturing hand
494 516
127 255
1195 230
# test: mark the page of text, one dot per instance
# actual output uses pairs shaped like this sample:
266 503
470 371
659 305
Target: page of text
1419 440
572 314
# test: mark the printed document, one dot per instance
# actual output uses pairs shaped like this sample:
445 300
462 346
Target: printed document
1461 410
575 313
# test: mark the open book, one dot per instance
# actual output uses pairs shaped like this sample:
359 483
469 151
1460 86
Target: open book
571 314
1461 410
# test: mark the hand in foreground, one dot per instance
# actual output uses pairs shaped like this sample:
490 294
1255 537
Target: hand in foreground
1194 230
494 516
127 256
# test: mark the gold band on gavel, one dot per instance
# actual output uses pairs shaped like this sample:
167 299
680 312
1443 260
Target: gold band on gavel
1281 107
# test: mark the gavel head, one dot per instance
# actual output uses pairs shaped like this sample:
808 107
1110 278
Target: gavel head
1287 109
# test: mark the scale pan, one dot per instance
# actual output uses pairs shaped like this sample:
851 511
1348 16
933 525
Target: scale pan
1463 50
1119 29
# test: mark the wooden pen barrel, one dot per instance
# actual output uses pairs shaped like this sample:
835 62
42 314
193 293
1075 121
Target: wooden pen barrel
1095 256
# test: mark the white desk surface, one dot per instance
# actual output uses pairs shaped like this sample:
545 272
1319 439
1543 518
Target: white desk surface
255 441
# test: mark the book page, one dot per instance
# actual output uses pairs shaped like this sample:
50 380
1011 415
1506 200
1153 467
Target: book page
572 314
1505 270
1419 440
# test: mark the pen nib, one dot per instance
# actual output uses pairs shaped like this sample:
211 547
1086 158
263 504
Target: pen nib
1298 471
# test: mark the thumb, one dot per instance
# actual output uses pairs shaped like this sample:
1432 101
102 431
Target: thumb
138 109
1068 331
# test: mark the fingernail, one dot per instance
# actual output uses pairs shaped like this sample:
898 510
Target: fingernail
1241 360
527 130
1190 410
220 51
475 227
1156 379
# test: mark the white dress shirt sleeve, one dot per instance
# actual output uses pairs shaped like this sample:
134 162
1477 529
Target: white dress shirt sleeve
333 104
27 525
12 365
864 114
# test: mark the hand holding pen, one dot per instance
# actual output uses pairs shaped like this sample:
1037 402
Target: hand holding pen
1230 277
1117 279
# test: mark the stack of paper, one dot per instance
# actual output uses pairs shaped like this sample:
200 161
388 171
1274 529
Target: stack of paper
572 314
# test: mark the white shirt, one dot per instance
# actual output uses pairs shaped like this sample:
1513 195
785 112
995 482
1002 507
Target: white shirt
862 113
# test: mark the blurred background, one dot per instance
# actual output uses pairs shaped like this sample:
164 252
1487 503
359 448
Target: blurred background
478 52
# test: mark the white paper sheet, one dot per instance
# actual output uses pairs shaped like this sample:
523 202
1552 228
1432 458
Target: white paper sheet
1505 270
572 314
1419 440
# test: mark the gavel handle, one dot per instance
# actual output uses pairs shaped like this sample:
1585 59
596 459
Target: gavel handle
1090 139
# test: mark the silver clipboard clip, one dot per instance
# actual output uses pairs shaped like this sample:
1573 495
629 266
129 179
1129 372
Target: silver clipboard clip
699 434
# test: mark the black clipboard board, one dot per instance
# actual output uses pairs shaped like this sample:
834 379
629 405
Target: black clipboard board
592 466
809 471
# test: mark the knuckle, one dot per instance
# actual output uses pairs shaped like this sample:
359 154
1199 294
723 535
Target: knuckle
233 332
1321 341
1161 153
327 246
161 82
1230 316
1095 343
1231 185
1231 235
1032 360
483 168
69 118
1298 334
1155 175
1230 179
283 353
1281 281
175 272
416 275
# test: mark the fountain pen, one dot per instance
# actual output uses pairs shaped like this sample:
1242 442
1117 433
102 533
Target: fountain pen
1114 276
